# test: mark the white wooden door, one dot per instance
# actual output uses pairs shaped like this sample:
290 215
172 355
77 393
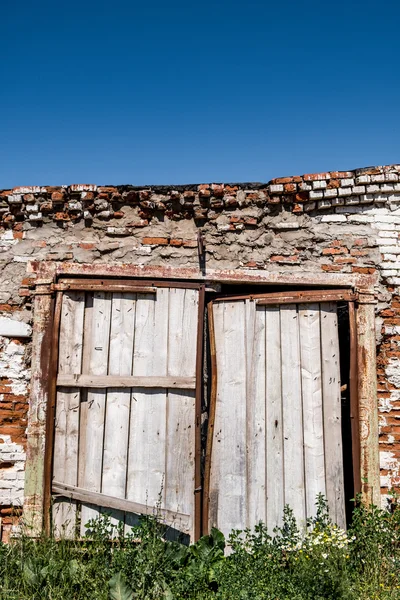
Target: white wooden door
277 431
125 422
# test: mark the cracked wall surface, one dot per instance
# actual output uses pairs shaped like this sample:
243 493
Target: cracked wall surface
337 222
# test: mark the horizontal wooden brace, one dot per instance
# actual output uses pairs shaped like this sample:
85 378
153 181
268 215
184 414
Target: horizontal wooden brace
106 286
109 284
76 493
121 381
306 297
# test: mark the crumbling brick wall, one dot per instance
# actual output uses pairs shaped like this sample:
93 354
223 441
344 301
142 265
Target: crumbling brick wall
336 222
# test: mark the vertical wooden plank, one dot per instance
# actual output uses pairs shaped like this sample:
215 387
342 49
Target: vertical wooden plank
274 418
147 437
180 426
310 350
118 400
207 517
354 409
87 336
65 465
256 414
292 412
96 400
228 464
332 413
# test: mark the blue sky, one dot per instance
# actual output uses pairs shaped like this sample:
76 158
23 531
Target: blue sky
179 92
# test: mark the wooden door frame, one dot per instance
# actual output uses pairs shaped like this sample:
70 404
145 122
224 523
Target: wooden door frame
45 334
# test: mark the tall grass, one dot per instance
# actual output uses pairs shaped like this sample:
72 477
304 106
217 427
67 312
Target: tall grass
323 562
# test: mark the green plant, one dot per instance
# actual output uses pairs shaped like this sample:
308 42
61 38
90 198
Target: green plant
313 562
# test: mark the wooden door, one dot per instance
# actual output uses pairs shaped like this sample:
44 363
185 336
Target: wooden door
277 413
125 422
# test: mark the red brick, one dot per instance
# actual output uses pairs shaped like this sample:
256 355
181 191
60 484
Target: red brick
330 251
316 176
141 223
176 242
333 183
342 174
331 268
87 245
18 235
280 258
364 270
355 252
24 292
250 221
280 180
39 243
289 188
302 196
57 196
343 260
190 243
61 216
155 241
298 208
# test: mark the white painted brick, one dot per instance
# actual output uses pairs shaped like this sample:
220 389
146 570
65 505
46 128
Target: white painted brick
367 198
387 187
346 182
7 475
331 193
390 265
373 189
392 329
316 195
388 219
384 226
6 485
362 179
305 187
319 185
389 257
382 241
337 201
350 210
323 204
395 211
390 249
389 272
394 280
274 189
358 189
391 177
353 200
32 208
344 192
388 234
360 219
377 178
333 219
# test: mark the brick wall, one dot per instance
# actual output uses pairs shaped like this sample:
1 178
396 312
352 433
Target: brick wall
336 222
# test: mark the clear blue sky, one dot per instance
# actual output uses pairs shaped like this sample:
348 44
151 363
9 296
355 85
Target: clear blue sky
182 91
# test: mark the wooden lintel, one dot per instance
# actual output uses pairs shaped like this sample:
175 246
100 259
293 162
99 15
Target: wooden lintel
98 499
120 381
